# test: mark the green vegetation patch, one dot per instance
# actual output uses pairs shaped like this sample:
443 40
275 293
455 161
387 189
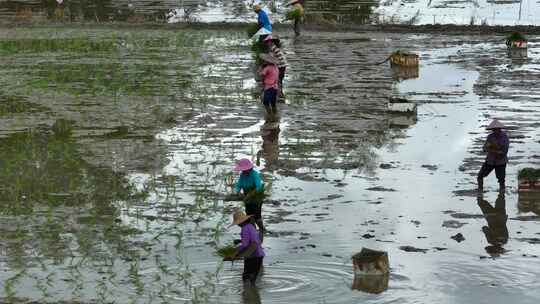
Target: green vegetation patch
73 45
17 104
529 174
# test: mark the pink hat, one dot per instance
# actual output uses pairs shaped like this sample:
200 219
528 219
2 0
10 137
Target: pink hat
243 165
268 38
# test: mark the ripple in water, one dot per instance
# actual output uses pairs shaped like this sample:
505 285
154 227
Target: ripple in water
302 282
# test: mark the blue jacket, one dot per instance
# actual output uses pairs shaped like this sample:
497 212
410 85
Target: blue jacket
250 181
264 20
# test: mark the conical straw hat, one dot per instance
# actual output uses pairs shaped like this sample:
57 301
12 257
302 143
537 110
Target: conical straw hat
495 124
239 217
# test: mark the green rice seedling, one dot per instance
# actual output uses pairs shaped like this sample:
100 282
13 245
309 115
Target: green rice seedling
252 29
294 14
226 251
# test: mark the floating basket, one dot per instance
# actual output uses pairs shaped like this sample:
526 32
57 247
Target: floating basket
370 262
529 180
404 59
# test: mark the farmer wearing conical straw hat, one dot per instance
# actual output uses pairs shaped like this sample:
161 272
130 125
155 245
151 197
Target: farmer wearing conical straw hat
251 185
297 14
250 247
496 147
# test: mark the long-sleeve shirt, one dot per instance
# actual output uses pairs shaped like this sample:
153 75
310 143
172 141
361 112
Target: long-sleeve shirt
270 75
264 20
496 146
279 55
247 235
249 181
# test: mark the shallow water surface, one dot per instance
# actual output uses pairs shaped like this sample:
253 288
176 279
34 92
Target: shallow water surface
117 149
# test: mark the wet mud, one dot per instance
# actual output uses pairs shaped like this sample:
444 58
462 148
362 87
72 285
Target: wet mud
117 150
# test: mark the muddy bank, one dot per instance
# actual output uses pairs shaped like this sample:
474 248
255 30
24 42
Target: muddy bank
448 29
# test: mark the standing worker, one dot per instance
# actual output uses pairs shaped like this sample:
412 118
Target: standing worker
251 185
496 146
263 20
296 14
275 47
250 248
270 78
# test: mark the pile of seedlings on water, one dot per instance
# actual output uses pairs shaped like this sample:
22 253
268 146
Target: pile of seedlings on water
530 175
516 40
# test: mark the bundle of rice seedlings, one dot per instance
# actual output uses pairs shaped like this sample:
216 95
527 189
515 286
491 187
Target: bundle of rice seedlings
252 29
226 251
294 14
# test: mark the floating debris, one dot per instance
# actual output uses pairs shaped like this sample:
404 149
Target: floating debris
458 238
453 224
402 105
370 262
412 249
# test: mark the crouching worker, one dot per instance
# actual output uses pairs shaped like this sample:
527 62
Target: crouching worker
251 185
496 146
250 248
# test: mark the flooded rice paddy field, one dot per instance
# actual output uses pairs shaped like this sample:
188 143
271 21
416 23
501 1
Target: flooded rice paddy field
117 147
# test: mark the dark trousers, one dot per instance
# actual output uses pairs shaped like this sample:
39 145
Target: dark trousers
281 76
297 27
500 172
252 267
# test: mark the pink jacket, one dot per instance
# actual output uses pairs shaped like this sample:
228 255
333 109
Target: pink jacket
270 74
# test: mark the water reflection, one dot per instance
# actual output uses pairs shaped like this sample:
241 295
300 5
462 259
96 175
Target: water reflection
334 11
250 295
496 232
67 203
529 202
270 147
371 283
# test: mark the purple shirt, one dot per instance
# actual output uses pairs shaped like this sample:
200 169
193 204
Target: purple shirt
249 234
500 143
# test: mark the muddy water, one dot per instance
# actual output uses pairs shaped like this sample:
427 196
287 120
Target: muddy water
117 147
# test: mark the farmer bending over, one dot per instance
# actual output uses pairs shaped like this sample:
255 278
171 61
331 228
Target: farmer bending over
250 248
251 185
263 20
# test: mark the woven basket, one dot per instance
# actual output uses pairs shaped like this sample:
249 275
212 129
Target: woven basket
404 59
